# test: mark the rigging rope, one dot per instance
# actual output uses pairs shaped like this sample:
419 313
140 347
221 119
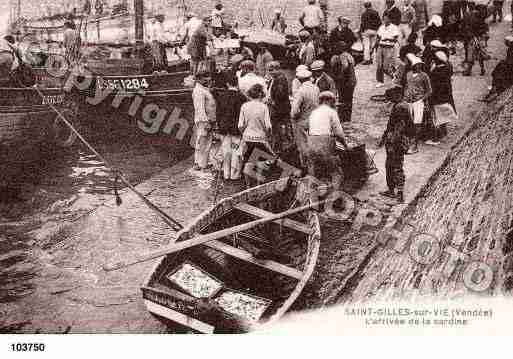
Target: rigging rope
175 225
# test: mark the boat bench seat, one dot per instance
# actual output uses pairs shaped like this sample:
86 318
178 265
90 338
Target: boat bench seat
261 213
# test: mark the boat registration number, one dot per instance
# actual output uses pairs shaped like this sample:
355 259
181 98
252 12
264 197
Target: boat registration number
53 99
123 84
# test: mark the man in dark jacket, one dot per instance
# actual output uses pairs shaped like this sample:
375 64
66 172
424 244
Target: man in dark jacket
228 103
396 143
279 105
393 12
369 25
342 33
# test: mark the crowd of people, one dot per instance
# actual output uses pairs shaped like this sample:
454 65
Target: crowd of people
406 44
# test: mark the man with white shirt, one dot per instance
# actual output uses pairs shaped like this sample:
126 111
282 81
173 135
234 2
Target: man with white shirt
323 129
311 17
305 100
387 42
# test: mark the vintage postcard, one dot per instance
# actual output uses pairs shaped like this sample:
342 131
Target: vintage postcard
274 167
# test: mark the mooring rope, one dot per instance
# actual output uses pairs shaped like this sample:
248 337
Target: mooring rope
174 224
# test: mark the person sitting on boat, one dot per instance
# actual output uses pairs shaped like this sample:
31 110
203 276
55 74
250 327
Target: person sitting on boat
324 129
197 43
204 118
217 20
98 7
255 123
321 79
157 39
279 105
263 58
278 24
249 78
8 59
72 42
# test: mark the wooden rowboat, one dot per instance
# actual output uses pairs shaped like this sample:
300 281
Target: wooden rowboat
245 280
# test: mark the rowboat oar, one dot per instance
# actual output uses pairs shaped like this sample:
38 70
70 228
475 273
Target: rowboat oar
204 238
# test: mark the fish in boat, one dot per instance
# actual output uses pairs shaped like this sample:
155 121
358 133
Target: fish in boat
242 281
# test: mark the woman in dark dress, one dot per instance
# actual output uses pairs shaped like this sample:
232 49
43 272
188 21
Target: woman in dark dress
441 83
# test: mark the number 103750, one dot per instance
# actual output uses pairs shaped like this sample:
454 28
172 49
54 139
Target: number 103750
27 347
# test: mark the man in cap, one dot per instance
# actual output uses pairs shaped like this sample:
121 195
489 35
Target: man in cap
304 102
342 33
321 79
279 104
395 139
369 25
204 119
342 65
278 24
311 18
393 12
307 48
324 129
249 78
192 23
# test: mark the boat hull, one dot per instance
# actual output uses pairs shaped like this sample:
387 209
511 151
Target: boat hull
232 263
26 128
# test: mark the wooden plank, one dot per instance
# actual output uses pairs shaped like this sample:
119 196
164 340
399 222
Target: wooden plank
178 317
261 213
248 257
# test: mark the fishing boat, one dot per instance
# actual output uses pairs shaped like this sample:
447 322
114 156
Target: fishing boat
241 281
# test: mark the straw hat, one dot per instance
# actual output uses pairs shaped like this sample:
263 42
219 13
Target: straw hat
327 95
437 43
273 66
277 11
344 20
317 65
436 20
414 60
304 34
235 59
441 56
303 73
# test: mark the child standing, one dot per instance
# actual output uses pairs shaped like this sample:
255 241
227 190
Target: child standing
395 140
255 123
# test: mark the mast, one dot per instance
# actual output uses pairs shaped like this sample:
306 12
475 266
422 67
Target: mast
139 23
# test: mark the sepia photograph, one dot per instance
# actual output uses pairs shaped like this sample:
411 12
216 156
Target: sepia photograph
256 166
